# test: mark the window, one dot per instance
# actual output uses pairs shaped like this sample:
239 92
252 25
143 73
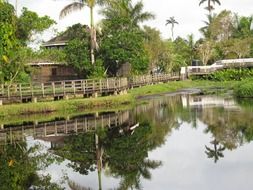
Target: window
54 71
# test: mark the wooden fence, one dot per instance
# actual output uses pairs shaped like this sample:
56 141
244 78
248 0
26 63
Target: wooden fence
50 129
63 89
143 80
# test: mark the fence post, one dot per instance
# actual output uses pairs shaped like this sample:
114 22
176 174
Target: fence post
2 89
63 87
42 89
100 86
8 91
31 87
74 87
20 91
53 86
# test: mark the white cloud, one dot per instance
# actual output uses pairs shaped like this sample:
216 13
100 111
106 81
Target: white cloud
187 12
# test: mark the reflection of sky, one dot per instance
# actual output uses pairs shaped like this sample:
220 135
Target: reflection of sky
185 164
59 171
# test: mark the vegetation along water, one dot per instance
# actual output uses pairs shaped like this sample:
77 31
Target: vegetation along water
185 122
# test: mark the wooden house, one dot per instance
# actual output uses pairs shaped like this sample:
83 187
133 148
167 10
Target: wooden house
46 72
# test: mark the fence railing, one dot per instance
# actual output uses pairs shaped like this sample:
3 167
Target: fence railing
80 124
23 92
72 87
142 80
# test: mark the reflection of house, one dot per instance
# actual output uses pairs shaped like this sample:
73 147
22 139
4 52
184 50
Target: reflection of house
44 72
208 101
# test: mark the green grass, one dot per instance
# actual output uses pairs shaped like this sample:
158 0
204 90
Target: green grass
65 106
68 107
177 85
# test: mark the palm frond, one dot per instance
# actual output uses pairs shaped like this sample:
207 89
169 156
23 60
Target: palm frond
216 1
71 8
137 8
171 20
143 17
202 1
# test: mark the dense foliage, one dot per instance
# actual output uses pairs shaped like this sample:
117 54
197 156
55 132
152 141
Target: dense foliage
244 89
228 75
15 33
123 39
19 165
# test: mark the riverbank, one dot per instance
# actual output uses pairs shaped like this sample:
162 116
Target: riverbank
109 102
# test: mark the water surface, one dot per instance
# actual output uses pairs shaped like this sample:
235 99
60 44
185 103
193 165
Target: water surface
179 142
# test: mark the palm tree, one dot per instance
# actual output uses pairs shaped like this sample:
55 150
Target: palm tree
205 29
191 44
77 5
215 153
210 7
243 26
172 21
125 9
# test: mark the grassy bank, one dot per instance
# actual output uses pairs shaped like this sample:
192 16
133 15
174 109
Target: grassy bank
177 85
67 107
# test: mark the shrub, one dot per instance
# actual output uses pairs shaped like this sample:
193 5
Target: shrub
227 75
244 89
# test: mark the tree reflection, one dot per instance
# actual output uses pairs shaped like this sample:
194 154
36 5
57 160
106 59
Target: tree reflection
217 152
124 152
19 166
127 157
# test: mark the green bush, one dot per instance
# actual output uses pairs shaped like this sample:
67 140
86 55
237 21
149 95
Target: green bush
244 89
227 75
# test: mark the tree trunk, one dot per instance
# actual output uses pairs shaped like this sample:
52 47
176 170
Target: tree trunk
209 7
92 36
172 32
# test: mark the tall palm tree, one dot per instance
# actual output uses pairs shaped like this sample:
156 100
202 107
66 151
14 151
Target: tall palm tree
78 5
210 7
126 9
172 21
205 29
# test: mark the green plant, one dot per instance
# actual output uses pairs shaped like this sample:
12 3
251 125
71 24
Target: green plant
227 75
244 89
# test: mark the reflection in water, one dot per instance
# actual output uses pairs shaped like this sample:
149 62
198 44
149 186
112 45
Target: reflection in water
216 152
18 166
107 143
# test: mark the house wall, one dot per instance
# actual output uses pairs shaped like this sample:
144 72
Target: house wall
53 73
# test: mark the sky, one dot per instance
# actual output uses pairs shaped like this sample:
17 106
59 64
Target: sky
187 12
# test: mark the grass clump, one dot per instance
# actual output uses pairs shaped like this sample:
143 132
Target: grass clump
244 89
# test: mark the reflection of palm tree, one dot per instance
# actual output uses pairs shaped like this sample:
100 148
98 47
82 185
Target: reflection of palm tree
133 180
172 21
215 153
75 186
